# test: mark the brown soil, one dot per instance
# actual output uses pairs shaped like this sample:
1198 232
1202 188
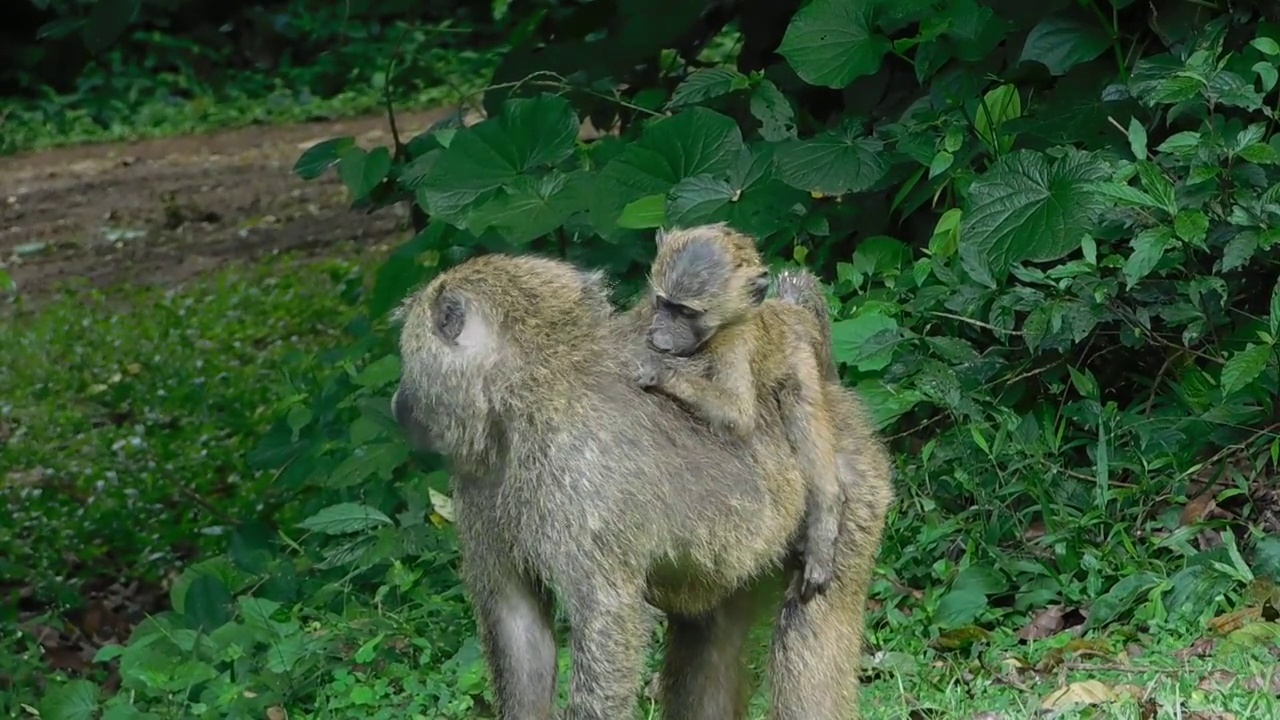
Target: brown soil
161 211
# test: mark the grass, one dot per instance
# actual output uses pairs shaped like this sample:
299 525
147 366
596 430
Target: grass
129 416
121 100
127 419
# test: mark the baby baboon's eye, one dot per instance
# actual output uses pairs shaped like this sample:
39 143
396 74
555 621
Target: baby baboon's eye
687 312
449 317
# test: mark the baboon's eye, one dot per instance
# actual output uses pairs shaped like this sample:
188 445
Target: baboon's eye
449 317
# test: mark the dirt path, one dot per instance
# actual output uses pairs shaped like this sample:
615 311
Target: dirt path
161 211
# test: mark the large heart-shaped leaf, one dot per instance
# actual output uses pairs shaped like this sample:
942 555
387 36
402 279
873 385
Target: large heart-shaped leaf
831 42
1028 206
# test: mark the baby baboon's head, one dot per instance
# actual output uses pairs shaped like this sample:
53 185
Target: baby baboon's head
703 278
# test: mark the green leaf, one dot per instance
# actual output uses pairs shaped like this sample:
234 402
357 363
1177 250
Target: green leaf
998 106
1268 74
318 158
1119 599
851 341
1266 46
706 84
73 700
345 518
1128 195
1266 558
774 111
647 212
1244 367
528 133
831 42
1060 43
1137 139
362 171
380 372
1239 250
528 208
832 163
207 603
959 607
751 199
379 459
107 21
1149 247
693 142
1183 143
1275 310
1261 153
1028 207
1192 226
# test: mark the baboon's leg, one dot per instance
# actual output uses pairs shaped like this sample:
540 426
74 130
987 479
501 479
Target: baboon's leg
814 658
515 622
704 675
610 632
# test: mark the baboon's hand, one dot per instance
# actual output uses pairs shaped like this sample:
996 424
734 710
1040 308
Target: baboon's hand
816 580
650 371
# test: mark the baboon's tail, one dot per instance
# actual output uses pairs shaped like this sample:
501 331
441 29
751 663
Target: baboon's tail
803 288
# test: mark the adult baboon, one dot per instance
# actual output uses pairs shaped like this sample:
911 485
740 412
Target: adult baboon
569 479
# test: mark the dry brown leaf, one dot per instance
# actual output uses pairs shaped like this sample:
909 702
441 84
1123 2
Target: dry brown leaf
1086 692
1198 509
275 712
1046 623
1233 621
1217 681
1200 648
1263 683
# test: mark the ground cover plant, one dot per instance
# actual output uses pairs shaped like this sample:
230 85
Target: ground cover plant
174 70
1050 237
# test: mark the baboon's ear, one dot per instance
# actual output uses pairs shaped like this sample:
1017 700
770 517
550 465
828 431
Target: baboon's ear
759 287
448 315
660 237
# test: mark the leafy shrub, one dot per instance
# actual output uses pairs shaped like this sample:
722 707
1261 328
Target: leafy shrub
1051 239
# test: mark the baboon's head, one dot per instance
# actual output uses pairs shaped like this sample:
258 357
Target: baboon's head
483 337
703 278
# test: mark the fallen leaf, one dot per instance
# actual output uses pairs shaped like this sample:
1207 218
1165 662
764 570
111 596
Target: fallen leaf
1260 683
275 712
1086 692
1044 624
1233 621
1200 648
1196 510
1217 681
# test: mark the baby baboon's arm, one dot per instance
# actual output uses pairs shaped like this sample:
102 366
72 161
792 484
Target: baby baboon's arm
809 428
728 399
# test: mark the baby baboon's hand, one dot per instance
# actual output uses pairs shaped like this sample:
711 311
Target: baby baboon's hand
816 580
650 371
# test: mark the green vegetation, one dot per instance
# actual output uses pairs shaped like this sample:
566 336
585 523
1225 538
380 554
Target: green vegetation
305 61
1052 238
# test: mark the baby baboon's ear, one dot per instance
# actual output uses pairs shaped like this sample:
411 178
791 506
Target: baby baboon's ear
660 237
759 287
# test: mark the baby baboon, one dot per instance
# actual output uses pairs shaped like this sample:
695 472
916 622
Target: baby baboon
569 480
741 350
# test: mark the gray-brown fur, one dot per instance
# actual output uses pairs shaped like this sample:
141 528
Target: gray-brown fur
741 352
568 478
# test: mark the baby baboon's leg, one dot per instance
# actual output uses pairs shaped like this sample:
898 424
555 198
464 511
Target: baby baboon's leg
704 674
609 634
810 430
515 622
